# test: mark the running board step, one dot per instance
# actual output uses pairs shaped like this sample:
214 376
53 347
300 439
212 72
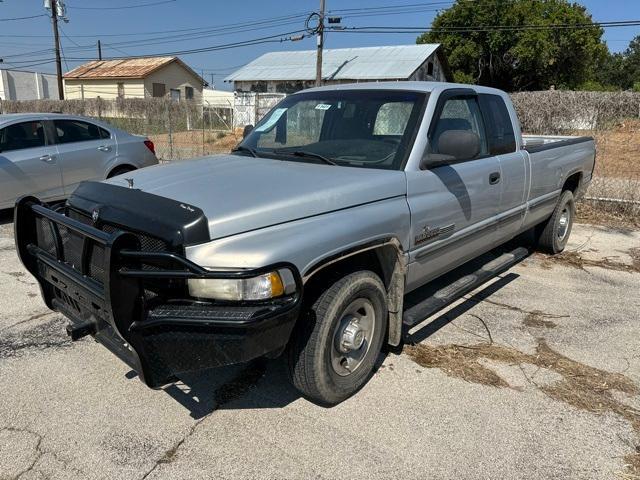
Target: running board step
460 287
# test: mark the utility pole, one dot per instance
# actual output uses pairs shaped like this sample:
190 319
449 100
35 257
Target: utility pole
320 44
56 39
99 50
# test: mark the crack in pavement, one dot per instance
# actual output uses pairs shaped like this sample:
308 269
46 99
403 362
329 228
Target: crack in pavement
39 452
236 388
506 306
35 316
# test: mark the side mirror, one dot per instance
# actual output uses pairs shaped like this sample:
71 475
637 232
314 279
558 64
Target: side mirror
452 146
247 130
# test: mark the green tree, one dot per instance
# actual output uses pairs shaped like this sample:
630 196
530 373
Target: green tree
629 70
519 57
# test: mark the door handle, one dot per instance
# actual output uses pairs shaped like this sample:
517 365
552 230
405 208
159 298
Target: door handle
48 158
104 148
494 178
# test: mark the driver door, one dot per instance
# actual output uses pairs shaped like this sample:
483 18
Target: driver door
452 205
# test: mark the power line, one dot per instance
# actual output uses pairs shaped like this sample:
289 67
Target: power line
390 7
211 28
279 38
486 28
123 7
21 18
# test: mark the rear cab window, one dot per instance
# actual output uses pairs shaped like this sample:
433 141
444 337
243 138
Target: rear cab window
20 136
500 132
70 131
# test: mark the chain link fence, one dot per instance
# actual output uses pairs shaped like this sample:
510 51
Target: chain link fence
186 129
179 130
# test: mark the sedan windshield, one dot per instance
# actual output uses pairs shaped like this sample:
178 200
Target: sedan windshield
355 128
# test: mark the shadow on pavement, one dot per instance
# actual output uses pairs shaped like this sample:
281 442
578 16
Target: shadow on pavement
487 290
261 383
6 216
264 383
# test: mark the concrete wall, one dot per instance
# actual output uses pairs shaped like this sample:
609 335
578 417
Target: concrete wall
217 98
21 85
82 89
250 107
174 76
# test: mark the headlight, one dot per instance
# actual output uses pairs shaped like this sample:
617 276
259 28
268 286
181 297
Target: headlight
262 287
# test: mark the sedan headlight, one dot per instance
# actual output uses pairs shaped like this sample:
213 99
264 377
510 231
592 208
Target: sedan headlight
263 287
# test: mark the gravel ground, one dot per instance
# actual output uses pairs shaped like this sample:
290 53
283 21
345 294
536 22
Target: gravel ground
535 375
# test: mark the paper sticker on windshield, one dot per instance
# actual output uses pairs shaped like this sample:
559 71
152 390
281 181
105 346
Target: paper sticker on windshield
271 121
323 106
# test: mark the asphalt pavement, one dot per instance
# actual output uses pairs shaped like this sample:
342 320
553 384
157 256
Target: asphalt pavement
534 376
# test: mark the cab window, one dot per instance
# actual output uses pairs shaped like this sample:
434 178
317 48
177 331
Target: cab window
22 135
459 114
500 133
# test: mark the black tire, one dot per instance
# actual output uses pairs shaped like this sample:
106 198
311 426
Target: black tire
553 234
313 351
120 170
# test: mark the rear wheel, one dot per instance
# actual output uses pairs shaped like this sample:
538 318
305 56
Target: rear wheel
120 170
553 234
338 339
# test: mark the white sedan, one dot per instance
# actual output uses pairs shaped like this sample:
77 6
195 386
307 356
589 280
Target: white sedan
48 155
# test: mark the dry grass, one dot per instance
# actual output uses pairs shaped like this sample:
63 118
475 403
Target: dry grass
536 319
576 260
618 150
606 216
582 386
209 142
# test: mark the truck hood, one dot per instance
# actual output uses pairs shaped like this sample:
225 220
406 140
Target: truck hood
239 193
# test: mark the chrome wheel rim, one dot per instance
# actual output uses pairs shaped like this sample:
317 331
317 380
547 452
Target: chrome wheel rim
563 223
352 337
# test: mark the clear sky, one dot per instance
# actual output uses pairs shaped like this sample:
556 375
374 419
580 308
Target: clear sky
158 26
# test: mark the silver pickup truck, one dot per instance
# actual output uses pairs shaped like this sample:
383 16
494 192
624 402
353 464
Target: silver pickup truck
307 237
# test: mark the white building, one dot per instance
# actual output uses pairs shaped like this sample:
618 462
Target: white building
290 71
23 85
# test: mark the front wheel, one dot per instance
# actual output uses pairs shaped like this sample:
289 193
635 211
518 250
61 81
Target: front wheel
338 339
554 233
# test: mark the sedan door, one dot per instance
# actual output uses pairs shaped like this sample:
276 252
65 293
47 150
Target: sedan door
86 150
453 203
28 163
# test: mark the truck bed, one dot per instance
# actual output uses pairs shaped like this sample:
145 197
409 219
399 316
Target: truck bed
537 143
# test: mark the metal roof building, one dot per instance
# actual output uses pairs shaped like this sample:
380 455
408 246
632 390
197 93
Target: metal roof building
134 78
287 72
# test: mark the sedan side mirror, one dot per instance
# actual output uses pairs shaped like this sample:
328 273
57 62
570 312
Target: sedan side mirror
453 146
247 130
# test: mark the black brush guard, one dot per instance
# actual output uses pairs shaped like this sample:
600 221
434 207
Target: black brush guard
98 279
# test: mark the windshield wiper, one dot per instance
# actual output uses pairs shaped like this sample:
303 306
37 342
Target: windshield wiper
242 148
304 153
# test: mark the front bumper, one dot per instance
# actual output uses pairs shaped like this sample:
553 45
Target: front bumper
135 301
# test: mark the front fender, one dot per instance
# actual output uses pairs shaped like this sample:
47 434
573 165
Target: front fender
308 242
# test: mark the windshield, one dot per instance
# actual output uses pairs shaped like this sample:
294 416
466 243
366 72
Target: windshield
355 128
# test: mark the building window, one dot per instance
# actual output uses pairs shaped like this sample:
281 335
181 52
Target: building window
120 90
188 93
430 69
175 94
158 89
